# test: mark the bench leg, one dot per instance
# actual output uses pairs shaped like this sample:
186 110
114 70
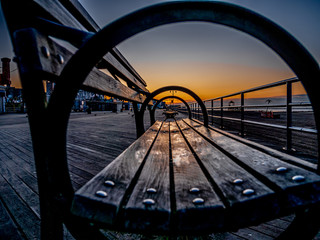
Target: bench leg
152 117
305 225
51 223
139 120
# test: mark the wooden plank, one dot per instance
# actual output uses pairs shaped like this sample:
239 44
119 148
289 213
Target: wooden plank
59 12
117 54
79 12
263 166
17 183
8 230
117 68
25 218
155 175
188 175
248 233
243 209
97 81
284 157
61 15
121 171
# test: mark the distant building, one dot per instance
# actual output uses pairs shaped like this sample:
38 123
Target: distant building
5 75
10 97
3 99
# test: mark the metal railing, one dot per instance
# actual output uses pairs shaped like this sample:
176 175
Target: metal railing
289 128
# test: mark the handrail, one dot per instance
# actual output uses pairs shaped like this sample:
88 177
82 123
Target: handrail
288 105
270 85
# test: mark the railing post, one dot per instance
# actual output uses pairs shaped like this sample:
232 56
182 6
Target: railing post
289 116
191 106
211 112
193 115
221 113
198 111
242 114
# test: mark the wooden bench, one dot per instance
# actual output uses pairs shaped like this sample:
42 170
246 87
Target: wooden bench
170 113
179 177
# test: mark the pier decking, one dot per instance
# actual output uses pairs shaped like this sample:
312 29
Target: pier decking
94 140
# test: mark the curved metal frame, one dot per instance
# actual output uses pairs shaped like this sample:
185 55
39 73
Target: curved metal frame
140 124
75 72
152 111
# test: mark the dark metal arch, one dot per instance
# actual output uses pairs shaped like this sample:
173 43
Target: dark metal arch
140 124
80 65
153 109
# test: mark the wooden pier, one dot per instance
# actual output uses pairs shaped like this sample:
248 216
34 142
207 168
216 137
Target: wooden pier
94 140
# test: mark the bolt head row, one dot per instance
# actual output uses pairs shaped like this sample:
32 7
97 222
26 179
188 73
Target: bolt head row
45 51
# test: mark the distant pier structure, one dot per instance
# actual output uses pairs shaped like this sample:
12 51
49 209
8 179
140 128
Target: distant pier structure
5 82
5 76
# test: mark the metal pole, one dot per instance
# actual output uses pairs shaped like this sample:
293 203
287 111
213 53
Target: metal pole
211 112
198 111
221 113
242 114
289 116
192 106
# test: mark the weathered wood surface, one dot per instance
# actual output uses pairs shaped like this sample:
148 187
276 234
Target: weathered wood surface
50 67
263 167
187 175
121 172
60 12
212 162
275 153
224 171
93 142
155 175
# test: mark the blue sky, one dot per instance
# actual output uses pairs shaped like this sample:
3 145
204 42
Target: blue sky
211 59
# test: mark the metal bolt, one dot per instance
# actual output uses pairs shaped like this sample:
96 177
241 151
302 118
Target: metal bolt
102 194
60 59
238 181
151 190
109 183
298 178
248 192
198 201
148 202
194 190
45 51
281 169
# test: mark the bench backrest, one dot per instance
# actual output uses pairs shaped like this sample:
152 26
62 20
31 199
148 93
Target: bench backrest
45 35
38 23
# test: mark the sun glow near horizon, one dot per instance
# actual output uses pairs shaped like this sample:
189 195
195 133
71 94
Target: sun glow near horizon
209 59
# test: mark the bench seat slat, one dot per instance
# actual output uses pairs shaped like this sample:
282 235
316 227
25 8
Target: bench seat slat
223 172
155 174
173 157
121 171
263 166
188 175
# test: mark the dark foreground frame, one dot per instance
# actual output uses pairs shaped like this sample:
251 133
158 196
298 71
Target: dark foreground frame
51 156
